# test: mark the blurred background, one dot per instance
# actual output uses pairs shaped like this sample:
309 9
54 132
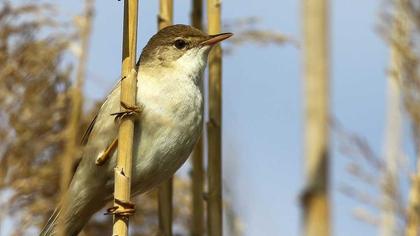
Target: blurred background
54 54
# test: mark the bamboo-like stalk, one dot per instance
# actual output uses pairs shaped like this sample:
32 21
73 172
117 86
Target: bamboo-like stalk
165 195
389 225
76 102
165 17
413 216
197 225
214 126
165 191
197 14
122 189
316 73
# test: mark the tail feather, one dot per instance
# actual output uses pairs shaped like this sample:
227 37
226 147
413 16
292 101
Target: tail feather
49 228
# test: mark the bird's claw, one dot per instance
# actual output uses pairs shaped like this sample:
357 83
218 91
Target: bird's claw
129 111
122 209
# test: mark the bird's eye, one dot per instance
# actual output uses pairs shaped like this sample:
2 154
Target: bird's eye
180 44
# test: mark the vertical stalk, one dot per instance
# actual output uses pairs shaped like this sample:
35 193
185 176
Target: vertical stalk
165 194
165 191
76 102
197 14
316 60
413 216
122 189
389 224
197 226
214 126
165 16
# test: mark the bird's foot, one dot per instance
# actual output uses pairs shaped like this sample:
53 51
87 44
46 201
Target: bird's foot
130 111
122 208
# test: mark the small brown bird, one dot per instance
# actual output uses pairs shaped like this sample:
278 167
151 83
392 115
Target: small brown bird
170 93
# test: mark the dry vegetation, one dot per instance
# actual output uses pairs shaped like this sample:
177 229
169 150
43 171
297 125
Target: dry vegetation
248 30
401 30
33 82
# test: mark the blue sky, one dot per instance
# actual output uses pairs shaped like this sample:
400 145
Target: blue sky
262 106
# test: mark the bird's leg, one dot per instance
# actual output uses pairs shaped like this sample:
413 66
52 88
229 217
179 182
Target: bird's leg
129 111
105 155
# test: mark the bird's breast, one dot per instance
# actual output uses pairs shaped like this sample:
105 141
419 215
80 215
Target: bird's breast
169 127
171 104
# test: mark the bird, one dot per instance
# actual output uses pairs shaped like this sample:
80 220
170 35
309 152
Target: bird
170 94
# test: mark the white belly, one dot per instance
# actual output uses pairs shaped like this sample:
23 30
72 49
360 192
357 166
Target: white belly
167 131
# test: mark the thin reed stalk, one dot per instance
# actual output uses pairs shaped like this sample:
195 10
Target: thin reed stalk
197 225
315 199
389 207
165 191
122 191
214 126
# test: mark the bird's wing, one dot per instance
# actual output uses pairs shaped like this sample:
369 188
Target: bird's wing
100 136
85 137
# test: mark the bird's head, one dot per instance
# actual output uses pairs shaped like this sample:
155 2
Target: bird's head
180 46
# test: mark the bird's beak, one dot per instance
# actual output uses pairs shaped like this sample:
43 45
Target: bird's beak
213 39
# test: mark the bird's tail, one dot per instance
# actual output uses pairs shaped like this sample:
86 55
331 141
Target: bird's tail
50 227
